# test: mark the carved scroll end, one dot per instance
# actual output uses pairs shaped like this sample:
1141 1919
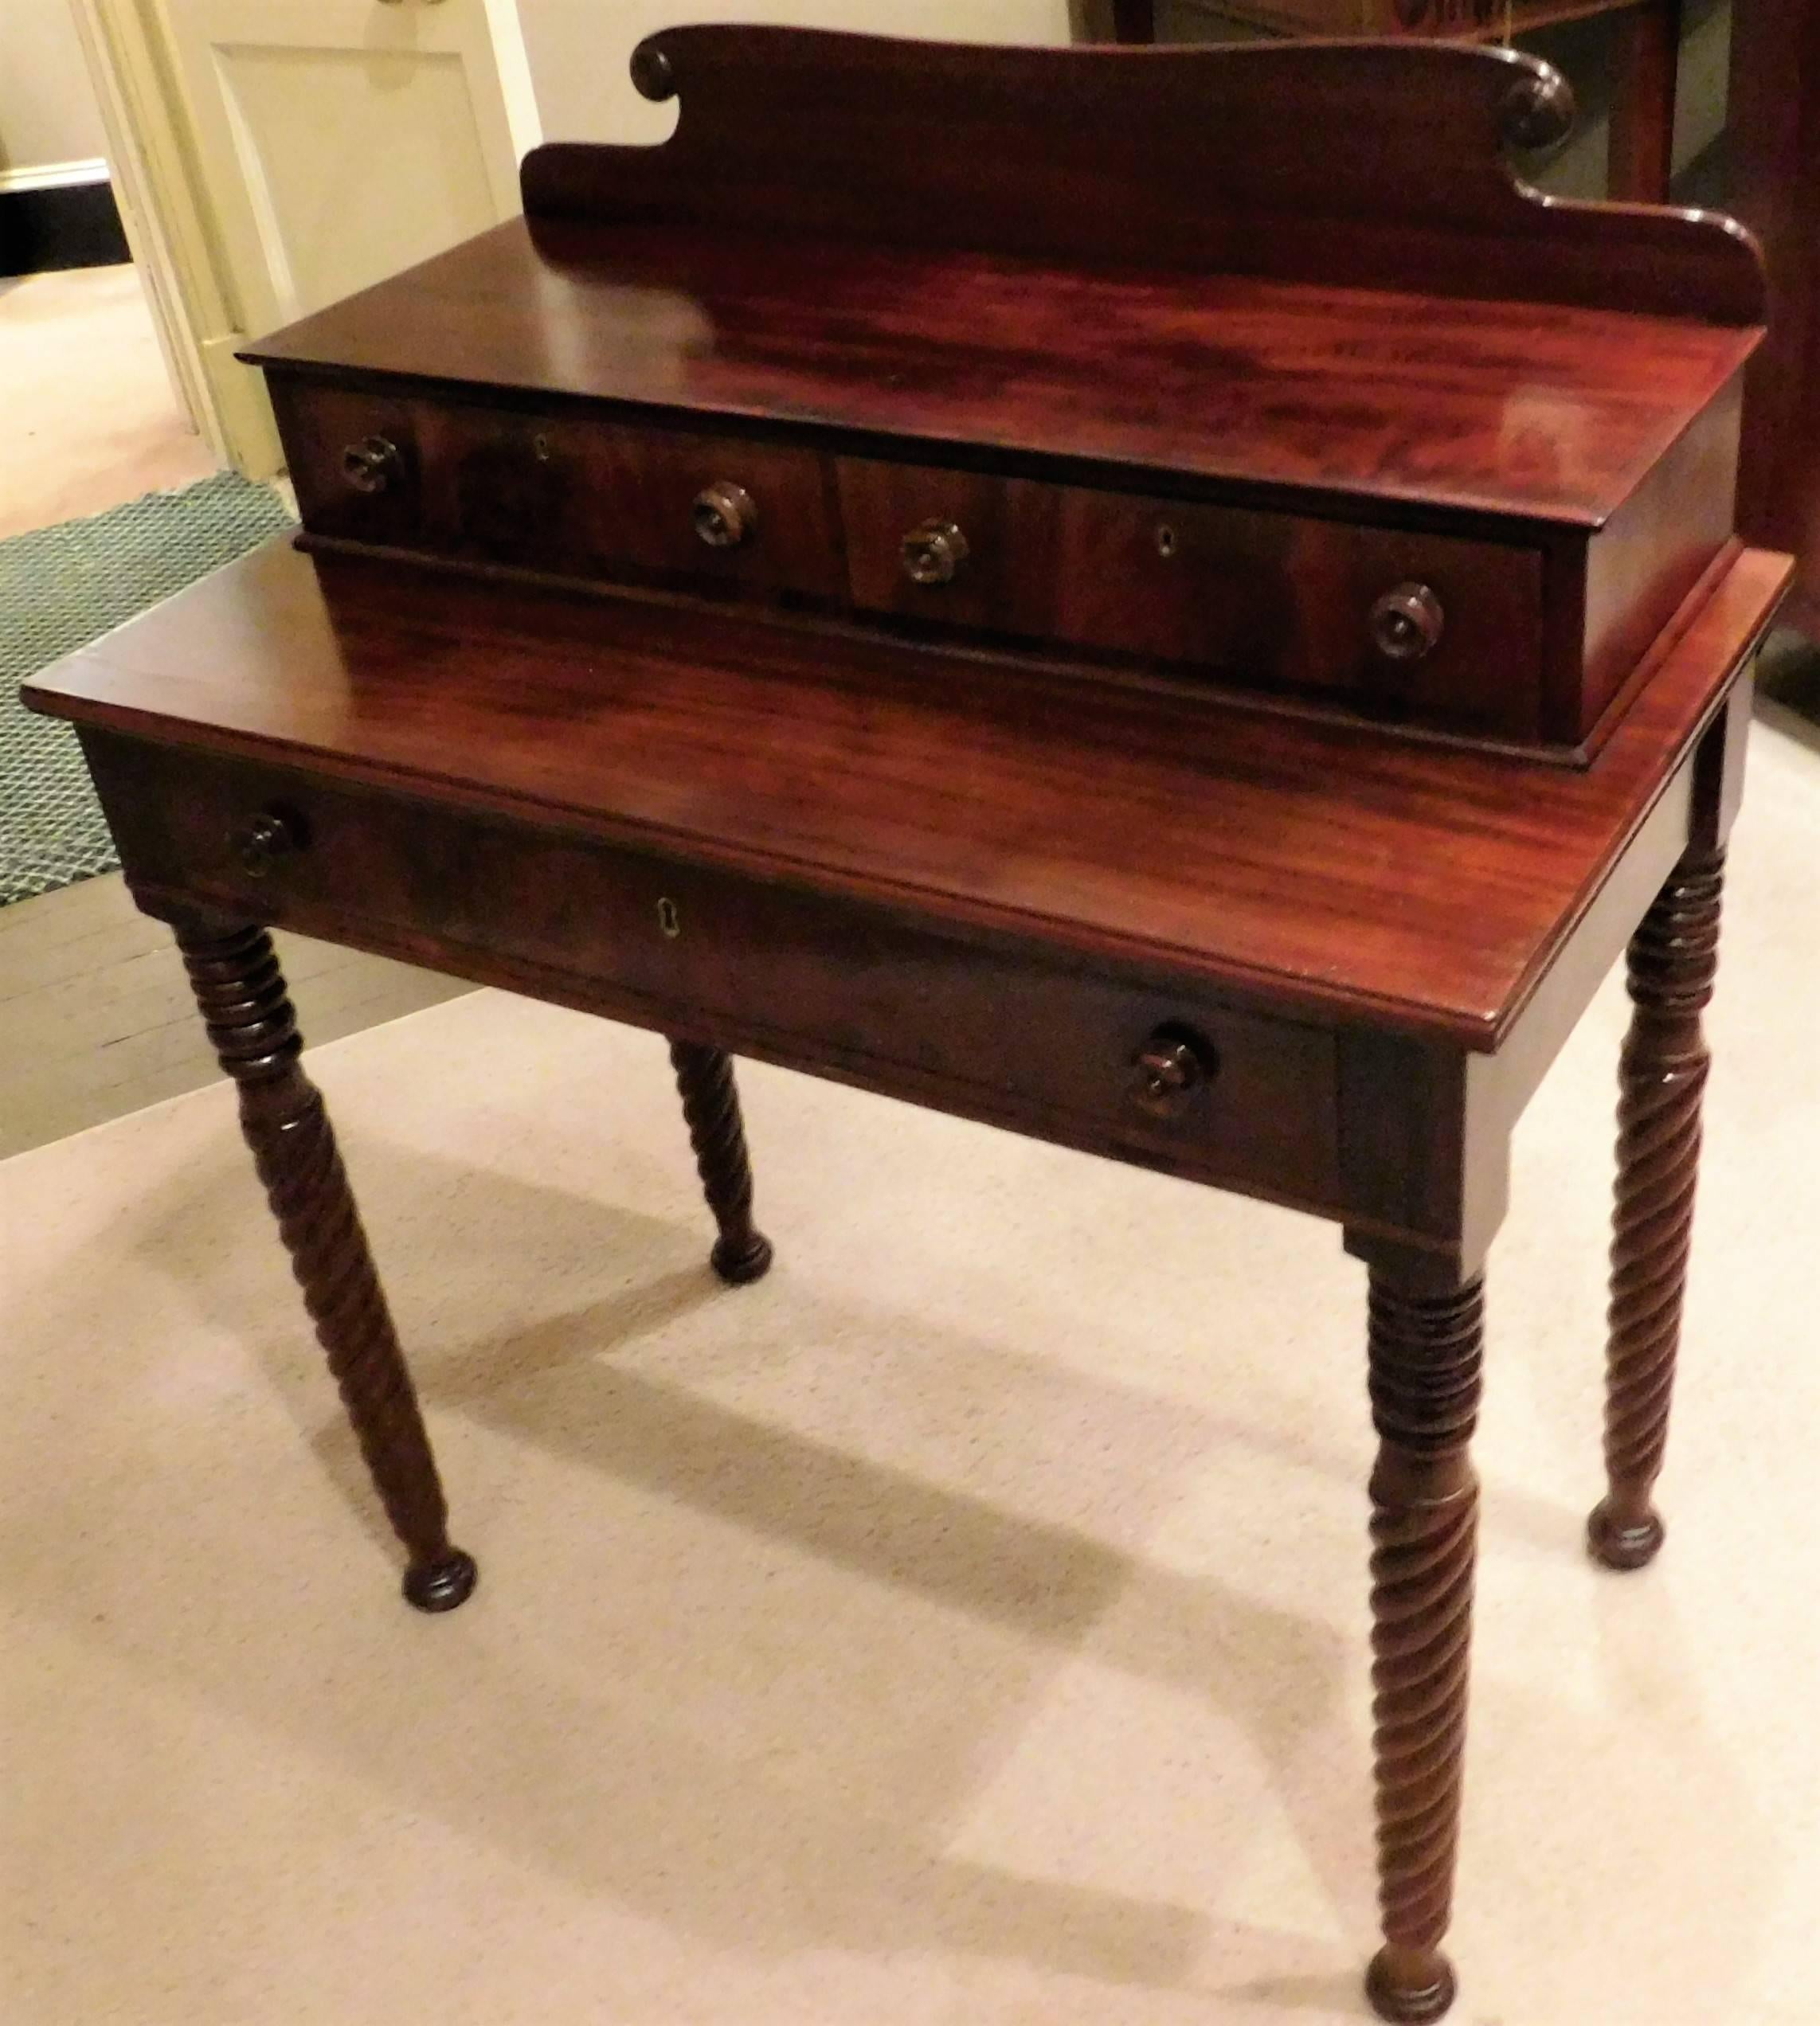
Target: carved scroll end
1538 110
653 75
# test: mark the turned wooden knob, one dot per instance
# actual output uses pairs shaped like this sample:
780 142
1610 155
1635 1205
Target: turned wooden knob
1406 623
271 835
1170 1066
369 465
725 514
933 552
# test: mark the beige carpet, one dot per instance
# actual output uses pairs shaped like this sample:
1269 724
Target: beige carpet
965 1625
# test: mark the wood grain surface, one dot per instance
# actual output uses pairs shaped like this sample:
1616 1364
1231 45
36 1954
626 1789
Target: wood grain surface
1327 866
1329 395
1186 157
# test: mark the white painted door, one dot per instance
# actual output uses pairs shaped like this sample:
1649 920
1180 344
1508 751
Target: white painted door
338 141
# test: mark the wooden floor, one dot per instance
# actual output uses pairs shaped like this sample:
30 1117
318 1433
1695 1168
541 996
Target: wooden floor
95 1016
96 1019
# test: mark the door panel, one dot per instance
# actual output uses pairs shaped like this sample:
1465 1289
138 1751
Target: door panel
338 141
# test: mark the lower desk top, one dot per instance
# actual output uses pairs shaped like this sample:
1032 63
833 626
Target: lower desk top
1334 867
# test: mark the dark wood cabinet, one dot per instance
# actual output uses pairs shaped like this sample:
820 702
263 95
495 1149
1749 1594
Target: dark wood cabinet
1773 145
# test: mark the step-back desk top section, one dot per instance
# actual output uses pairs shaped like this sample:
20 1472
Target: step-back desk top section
1537 412
1070 252
1255 366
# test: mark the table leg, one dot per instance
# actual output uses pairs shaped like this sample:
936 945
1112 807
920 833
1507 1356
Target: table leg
240 992
1646 49
710 1104
1673 960
1426 1351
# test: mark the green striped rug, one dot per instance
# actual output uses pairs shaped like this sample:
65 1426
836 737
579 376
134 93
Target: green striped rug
59 588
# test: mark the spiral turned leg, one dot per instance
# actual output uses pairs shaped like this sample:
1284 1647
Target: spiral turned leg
241 994
710 1104
1673 959
1425 1358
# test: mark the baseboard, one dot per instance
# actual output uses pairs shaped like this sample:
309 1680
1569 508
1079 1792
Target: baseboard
64 216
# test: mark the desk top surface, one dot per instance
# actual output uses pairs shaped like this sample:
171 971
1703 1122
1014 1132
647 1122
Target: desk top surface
1535 411
1323 867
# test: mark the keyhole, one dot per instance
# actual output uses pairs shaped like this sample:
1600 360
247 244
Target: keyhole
668 919
1165 540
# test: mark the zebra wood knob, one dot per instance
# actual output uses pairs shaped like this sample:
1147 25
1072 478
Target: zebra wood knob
725 515
271 835
1406 623
1171 1066
933 551
370 465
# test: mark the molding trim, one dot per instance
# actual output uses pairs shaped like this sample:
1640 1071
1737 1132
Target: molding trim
52 175
46 224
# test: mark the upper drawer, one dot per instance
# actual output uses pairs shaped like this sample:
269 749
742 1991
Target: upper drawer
1444 629
570 494
1441 631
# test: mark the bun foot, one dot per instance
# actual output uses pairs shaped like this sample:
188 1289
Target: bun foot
740 1264
1408 1983
441 1585
1622 1543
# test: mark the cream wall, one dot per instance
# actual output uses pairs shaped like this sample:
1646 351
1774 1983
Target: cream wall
47 113
578 49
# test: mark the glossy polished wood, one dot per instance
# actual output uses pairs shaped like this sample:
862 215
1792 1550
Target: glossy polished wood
710 1104
241 995
1194 158
788 974
1246 940
1198 427
1673 961
1301 391
1426 1352
1269 601
1423 1120
1335 869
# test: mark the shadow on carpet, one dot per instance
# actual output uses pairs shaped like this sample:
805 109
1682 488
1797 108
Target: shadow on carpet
61 588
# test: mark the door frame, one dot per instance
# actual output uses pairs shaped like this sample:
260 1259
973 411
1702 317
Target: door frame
170 228
170 231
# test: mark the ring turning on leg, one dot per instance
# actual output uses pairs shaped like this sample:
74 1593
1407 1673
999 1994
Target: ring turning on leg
242 995
710 1105
1425 1362
1673 960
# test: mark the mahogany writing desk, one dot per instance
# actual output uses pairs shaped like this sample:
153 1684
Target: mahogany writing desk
1183 691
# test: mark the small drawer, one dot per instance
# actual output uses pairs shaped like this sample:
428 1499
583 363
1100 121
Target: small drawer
581 497
1172 1077
354 458
1444 630
568 495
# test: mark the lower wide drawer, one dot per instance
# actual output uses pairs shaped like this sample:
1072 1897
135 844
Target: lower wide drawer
1176 1079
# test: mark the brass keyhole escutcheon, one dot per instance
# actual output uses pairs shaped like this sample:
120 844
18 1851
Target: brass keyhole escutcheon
724 515
1166 543
669 921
